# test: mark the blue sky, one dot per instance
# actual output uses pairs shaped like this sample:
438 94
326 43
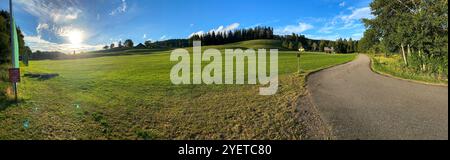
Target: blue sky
66 25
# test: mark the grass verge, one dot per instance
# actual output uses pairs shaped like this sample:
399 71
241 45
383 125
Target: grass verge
393 66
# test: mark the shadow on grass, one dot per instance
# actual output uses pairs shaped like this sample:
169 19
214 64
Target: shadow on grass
41 76
5 100
6 103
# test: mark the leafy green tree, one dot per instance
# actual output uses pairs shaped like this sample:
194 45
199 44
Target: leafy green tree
322 45
5 46
285 44
368 41
128 43
416 29
315 47
350 46
291 46
148 44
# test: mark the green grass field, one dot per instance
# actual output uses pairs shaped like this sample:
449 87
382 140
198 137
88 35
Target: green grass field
393 65
131 97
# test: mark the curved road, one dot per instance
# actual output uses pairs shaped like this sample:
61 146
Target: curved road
359 104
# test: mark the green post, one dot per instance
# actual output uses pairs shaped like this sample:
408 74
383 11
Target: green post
14 46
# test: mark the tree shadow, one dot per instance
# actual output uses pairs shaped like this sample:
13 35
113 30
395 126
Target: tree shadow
42 77
6 103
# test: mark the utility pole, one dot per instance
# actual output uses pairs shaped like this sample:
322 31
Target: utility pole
14 72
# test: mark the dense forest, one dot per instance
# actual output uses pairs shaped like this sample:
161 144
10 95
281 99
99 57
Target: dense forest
218 38
415 29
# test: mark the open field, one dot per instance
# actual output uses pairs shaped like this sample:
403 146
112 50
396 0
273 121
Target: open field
394 66
131 97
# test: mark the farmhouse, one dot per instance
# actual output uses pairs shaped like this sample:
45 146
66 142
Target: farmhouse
329 49
140 46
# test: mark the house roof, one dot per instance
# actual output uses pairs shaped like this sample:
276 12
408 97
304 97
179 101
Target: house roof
140 45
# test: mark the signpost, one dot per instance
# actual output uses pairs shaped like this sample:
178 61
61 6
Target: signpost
14 72
14 77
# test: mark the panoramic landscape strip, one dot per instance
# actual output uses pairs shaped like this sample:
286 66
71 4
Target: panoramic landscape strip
138 70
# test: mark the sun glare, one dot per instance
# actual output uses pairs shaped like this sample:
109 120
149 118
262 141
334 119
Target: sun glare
75 37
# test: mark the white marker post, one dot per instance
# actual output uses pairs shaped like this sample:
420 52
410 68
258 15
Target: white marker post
298 58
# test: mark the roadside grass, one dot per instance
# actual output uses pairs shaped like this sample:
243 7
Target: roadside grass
131 97
394 66
5 99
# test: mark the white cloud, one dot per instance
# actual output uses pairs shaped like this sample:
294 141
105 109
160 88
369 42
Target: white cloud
197 33
65 30
144 36
220 29
164 37
326 29
40 27
357 14
36 43
351 23
223 29
324 37
52 11
300 28
56 21
121 9
357 36
342 4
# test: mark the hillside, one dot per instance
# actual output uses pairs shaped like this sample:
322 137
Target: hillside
253 44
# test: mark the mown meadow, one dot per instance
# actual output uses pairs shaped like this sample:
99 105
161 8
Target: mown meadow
132 97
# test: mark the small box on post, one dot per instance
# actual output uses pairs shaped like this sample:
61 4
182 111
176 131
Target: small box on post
14 75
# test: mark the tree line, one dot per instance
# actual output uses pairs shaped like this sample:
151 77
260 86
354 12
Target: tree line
296 41
290 42
219 38
5 40
126 44
415 29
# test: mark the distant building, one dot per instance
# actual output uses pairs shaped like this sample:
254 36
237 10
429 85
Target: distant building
140 46
329 49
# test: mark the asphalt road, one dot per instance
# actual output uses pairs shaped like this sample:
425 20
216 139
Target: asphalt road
359 104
